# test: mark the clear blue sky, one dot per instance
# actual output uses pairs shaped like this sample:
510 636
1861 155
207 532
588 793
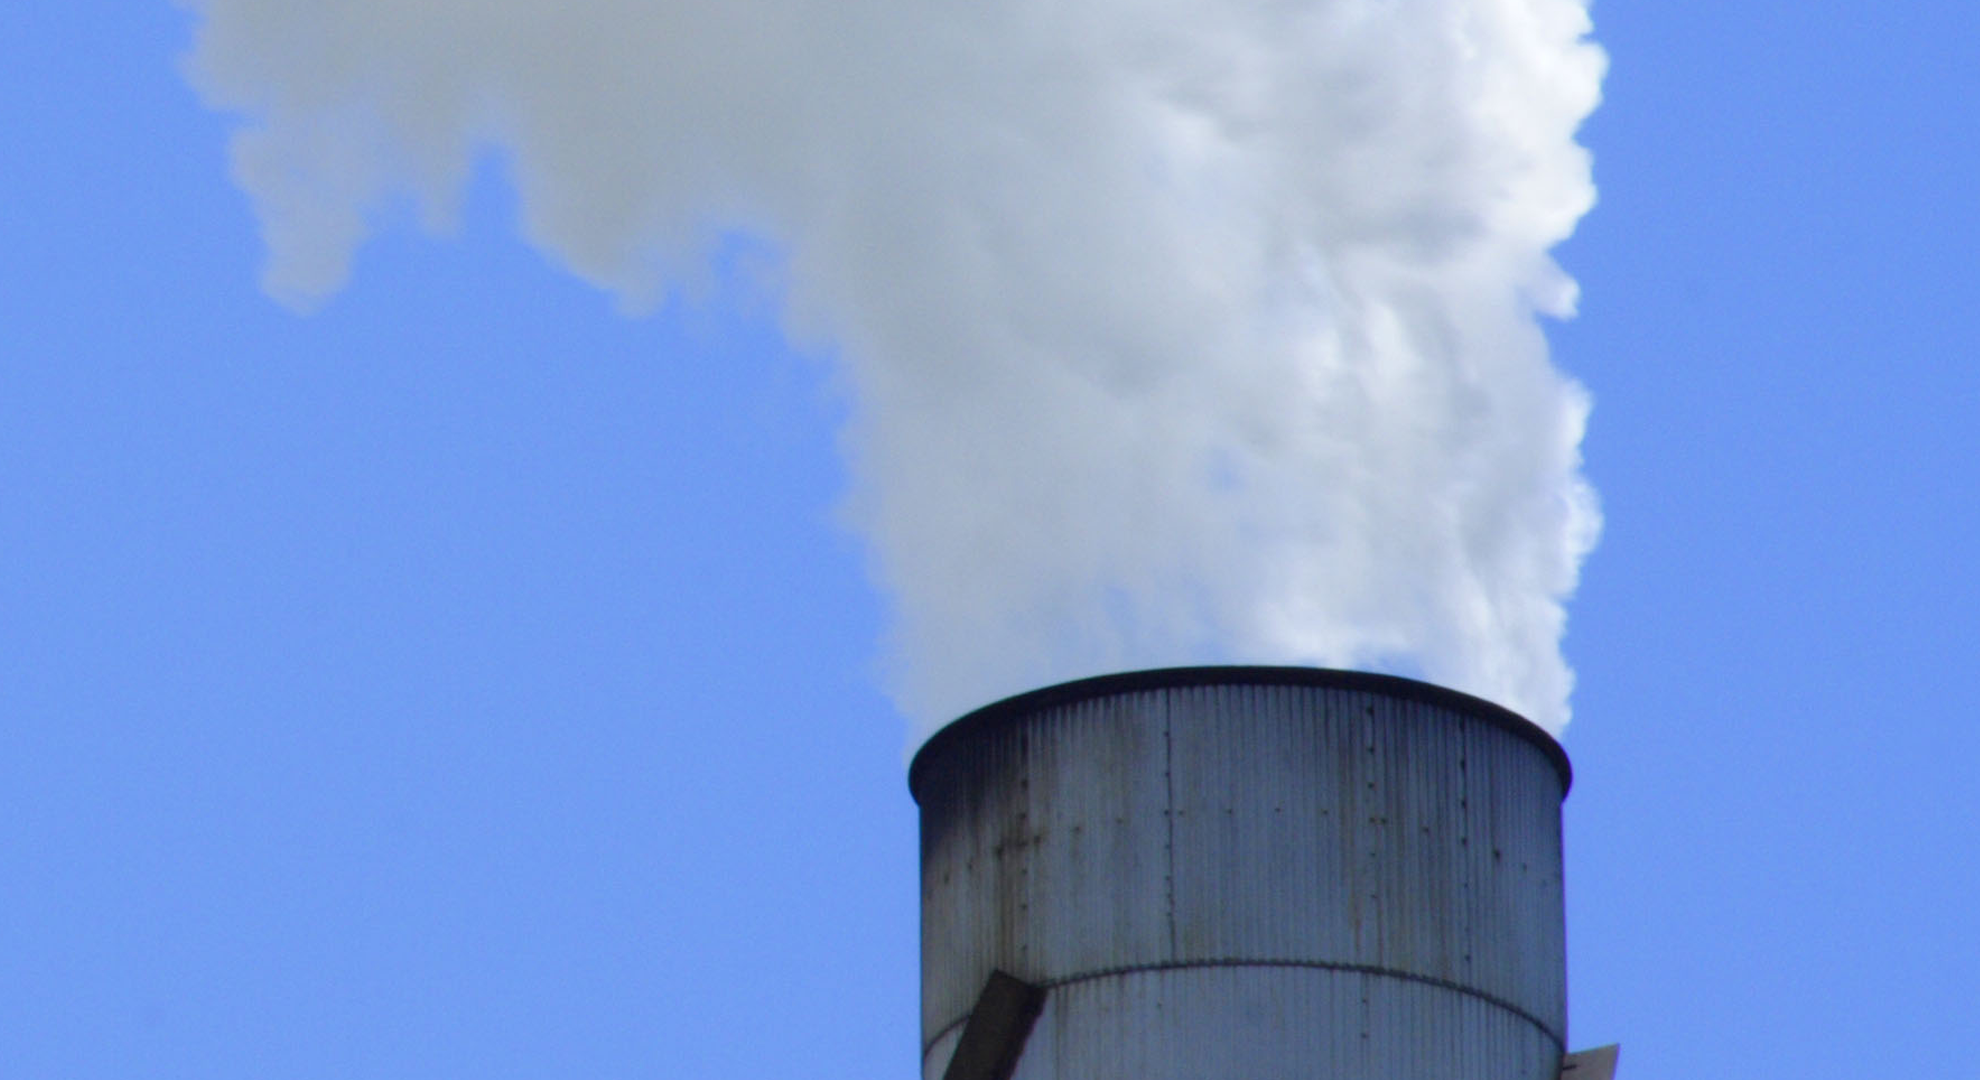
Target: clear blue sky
468 681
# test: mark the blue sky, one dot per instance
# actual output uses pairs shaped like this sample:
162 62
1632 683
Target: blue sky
469 680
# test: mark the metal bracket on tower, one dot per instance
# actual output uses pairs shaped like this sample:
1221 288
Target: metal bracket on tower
1596 1064
993 1039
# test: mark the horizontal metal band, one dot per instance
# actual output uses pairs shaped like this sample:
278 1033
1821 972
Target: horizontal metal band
1493 1000
1032 702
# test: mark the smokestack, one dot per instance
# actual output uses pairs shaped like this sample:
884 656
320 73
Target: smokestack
1242 872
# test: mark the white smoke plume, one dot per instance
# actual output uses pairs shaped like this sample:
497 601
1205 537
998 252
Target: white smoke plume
1178 330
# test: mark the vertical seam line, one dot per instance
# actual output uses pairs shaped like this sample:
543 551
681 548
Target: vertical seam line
1169 813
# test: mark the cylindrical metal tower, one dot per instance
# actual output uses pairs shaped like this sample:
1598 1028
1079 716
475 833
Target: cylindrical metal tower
1244 873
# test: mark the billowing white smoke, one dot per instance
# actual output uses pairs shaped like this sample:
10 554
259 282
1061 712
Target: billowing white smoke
1179 330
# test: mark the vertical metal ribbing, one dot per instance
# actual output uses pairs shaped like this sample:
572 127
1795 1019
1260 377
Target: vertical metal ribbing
1169 822
1320 866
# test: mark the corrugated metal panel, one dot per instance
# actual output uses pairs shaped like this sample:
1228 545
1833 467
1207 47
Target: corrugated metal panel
1265 850
1036 858
1277 1024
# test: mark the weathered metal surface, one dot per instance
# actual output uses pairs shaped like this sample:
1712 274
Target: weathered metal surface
1244 872
1277 1024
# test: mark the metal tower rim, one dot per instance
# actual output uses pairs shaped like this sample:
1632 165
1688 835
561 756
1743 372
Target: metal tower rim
1008 709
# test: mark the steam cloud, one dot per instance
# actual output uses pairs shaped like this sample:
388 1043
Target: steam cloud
1179 330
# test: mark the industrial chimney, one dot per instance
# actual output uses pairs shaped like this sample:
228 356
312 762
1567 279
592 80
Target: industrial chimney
1243 873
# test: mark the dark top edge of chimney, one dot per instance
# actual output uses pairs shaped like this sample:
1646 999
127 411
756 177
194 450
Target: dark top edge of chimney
1098 686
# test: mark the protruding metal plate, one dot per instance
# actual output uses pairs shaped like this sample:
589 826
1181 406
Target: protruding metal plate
1596 1064
993 1039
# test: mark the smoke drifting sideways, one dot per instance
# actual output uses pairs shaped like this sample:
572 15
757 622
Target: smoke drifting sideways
1178 331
